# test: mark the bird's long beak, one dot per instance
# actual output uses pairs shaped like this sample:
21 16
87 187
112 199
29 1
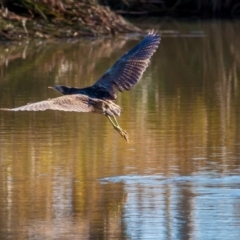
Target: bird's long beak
50 87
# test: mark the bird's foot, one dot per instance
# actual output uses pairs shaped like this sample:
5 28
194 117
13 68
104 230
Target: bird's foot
122 132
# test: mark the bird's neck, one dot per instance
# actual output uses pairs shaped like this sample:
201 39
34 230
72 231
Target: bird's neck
73 90
93 92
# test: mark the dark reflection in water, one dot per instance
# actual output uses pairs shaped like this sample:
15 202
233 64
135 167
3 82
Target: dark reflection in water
70 176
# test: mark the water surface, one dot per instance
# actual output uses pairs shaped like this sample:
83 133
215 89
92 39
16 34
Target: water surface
71 176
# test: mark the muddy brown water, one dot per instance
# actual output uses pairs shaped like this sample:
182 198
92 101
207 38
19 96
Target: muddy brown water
71 176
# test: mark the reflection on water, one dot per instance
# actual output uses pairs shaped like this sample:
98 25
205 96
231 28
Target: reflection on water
180 207
71 176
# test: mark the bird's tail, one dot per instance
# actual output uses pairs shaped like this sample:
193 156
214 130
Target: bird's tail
111 109
115 110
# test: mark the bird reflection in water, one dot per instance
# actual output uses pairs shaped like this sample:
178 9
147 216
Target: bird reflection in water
99 97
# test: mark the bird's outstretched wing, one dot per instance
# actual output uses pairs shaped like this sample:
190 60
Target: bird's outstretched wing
69 103
127 71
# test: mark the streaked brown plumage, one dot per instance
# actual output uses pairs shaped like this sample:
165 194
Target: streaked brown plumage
123 75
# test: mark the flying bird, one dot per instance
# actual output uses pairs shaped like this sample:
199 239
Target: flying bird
99 98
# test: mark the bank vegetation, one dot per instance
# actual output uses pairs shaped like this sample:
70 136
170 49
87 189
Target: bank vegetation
27 19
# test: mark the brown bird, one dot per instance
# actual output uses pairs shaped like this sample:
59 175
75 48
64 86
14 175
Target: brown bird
98 98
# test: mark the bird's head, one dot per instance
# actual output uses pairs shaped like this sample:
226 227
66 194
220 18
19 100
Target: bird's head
60 88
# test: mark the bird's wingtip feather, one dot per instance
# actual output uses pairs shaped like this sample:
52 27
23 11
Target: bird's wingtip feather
5 109
153 33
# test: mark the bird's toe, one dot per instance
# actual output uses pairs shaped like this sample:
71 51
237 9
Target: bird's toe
123 133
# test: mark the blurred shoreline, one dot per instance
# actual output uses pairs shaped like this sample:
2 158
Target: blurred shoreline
60 19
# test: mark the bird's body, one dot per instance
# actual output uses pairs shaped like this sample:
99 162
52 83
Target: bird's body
99 97
94 91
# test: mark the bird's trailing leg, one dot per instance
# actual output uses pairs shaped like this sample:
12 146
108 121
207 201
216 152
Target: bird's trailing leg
116 126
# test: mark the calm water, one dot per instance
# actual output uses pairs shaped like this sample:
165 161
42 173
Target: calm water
71 176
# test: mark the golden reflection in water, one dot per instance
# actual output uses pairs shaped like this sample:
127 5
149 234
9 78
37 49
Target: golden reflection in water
182 119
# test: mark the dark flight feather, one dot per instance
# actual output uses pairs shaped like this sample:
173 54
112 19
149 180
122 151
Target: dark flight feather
128 70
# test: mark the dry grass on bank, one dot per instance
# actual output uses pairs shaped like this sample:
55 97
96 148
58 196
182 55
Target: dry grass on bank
58 18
